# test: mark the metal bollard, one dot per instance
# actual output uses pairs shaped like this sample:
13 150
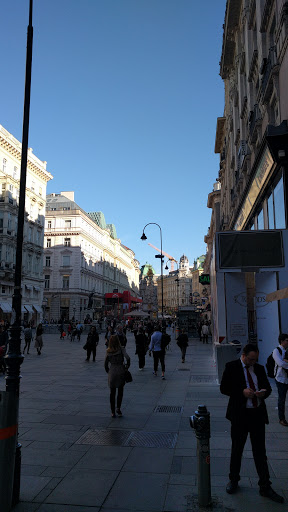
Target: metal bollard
201 424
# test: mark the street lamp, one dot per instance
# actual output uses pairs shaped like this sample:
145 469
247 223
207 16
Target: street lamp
74 310
14 358
144 237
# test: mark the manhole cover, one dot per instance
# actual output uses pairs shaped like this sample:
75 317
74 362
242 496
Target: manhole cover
153 439
105 437
169 408
205 379
128 438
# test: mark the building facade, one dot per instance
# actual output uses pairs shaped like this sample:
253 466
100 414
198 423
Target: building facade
252 135
83 260
252 141
35 201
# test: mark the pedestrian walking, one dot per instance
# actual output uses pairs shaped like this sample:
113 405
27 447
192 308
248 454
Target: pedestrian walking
158 352
27 337
79 330
114 366
245 382
281 376
182 342
108 334
205 332
121 335
39 339
141 347
91 343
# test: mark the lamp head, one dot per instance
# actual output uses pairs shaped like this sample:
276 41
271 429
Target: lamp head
166 268
143 237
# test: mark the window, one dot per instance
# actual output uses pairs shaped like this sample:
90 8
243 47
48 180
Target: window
279 207
65 208
270 209
49 224
15 172
3 289
53 209
4 165
67 242
260 220
33 185
65 283
48 242
29 234
47 261
40 191
47 282
66 261
67 224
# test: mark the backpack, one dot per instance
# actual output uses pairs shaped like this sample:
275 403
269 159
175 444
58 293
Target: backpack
165 340
270 365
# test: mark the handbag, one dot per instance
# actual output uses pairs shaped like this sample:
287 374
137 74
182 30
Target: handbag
85 346
128 376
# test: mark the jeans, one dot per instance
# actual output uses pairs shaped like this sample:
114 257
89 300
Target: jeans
159 355
282 391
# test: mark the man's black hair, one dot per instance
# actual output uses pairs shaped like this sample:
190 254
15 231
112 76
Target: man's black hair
250 347
282 337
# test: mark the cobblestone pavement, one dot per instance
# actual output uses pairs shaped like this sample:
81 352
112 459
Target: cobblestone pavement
76 458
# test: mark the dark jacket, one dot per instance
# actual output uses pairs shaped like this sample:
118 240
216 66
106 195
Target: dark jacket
182 340
233 383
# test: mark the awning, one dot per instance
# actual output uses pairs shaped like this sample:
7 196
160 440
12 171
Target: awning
28 286
23 310
37 288
6 307
37 308
28 308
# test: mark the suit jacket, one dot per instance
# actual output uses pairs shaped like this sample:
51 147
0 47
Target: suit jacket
233 383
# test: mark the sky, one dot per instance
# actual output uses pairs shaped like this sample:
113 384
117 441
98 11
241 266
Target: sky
125 97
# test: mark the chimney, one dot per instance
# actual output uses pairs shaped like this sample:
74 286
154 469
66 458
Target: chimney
69 195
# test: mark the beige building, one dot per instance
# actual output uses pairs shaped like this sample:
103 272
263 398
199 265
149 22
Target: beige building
83 259
251 136
252 141
177 287
32 268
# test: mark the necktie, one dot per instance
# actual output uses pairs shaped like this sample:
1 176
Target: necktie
251 386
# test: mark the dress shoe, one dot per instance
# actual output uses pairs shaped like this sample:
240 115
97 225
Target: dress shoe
272 495
284 423
231 487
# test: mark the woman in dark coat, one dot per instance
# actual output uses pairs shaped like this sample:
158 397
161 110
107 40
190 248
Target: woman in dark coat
92 342
182 342
114 366
141 347
39 339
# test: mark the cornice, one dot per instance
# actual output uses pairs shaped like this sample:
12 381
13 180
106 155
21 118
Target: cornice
16 153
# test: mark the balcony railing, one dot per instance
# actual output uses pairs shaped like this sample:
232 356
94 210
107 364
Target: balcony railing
267 68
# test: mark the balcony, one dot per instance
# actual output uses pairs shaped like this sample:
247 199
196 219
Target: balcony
243 151
269 68
255 121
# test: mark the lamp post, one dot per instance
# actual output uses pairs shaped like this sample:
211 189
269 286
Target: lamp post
144 237
14 358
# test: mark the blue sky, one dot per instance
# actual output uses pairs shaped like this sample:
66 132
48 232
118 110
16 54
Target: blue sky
124 102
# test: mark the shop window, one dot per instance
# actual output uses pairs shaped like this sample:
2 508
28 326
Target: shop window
279 207
260 220
270 211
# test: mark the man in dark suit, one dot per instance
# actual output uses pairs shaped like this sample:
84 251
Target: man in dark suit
246 384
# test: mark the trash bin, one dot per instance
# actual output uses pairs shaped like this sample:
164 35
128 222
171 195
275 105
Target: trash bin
224 354
8 440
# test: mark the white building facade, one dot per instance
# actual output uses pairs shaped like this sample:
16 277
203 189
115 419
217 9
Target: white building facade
32 268
82 261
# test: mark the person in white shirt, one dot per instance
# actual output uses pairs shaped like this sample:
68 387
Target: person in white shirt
281 376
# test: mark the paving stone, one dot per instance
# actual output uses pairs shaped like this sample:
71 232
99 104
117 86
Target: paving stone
104 457
146 490
83 486
31 486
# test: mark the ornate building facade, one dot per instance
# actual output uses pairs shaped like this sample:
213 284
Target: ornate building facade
35 201
83 260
